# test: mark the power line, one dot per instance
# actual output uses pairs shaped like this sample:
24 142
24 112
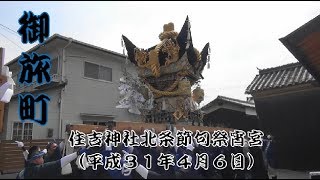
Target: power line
12 42
14 32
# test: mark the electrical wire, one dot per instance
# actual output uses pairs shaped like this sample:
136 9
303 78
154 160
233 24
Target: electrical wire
10 30
12 41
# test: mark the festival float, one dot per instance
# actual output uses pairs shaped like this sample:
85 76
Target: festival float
166 92
169 70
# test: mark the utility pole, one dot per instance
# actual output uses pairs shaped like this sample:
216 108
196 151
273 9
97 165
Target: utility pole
3 79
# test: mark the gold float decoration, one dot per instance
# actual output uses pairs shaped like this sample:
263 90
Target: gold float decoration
198 95
183 88
170 69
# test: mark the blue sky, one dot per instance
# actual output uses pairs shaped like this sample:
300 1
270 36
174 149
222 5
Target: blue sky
243 35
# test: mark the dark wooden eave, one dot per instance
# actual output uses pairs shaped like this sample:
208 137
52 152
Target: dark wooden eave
304 44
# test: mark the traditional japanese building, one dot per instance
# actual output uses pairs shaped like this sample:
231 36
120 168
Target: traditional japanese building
304 44
230 113
287 100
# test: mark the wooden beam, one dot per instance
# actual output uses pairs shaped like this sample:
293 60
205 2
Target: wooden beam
138 127
201 128
85 128
313 86
119 126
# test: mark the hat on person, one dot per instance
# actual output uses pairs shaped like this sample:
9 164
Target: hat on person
269 136
50 144
34 153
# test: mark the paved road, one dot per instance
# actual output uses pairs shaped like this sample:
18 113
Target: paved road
288 174
8 176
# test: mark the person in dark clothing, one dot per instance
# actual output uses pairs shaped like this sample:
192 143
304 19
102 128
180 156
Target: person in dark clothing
227 172
178 174
51 153
37 169
54 152
268 150
25 152
259 170
173 173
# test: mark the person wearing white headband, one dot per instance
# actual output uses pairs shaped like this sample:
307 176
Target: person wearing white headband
38 169
64 171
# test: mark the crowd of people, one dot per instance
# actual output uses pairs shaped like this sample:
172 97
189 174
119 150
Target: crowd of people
51 163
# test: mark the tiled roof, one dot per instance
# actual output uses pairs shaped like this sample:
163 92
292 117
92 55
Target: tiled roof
231 100
278 77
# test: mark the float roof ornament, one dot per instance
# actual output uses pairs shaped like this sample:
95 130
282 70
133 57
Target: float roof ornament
173 48
170 69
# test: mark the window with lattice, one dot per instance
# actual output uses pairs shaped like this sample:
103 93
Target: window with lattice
22 131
